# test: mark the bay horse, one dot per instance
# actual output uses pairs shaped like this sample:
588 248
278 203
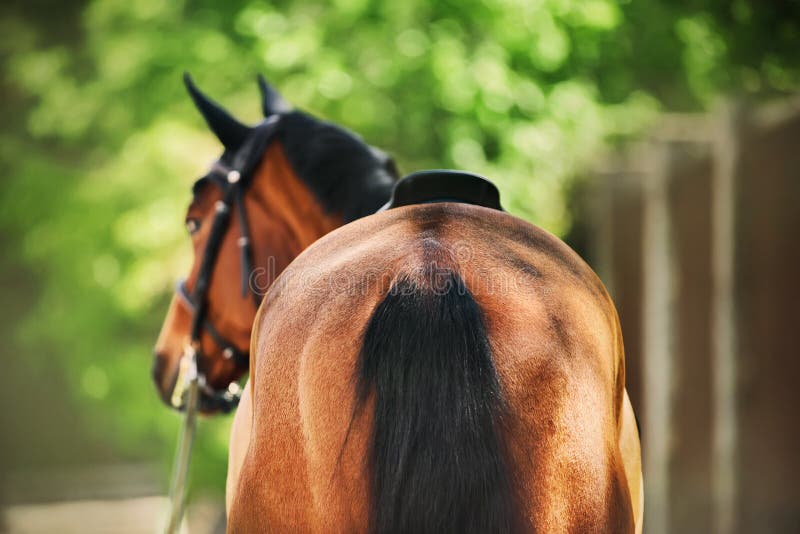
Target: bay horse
440 366
521 421
276 188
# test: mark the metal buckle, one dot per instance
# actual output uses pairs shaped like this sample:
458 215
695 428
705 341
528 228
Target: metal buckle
221 207
233 176
187 373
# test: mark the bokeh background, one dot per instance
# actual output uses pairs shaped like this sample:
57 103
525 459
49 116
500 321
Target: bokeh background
552 99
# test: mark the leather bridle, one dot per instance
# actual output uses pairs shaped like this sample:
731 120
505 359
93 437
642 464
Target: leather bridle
233 180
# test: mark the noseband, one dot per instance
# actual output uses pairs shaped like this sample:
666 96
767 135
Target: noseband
234 181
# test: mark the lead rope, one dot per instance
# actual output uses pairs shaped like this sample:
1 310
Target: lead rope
188 374
177 492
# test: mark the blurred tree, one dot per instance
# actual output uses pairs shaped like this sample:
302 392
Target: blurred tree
100 144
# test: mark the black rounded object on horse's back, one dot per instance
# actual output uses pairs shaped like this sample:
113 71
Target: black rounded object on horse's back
443 185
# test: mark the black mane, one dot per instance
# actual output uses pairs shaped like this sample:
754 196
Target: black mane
346 175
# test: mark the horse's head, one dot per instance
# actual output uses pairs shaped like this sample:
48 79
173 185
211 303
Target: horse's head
277 187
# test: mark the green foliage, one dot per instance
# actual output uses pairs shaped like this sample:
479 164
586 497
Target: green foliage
101 144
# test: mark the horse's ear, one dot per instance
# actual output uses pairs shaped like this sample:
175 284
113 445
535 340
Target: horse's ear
271 100
386 161
228 130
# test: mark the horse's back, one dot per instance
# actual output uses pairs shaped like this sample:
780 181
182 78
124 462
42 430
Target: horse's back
554 340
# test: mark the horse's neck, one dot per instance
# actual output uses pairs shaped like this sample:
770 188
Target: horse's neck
284 215
288 207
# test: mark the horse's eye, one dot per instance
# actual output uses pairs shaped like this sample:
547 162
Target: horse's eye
192 226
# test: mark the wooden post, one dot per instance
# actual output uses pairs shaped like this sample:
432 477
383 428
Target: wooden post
764 372
657 307
723 336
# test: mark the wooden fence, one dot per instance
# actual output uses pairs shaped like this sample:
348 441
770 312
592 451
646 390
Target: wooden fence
696 233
